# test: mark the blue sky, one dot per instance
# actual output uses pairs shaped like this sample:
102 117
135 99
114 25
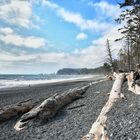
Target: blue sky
42 36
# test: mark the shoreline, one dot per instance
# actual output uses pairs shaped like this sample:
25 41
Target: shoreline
13 95
67 123
59 81
72 124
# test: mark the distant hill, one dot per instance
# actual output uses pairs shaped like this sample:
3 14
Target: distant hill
80 71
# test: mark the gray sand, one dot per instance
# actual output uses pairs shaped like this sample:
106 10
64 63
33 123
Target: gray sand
123 122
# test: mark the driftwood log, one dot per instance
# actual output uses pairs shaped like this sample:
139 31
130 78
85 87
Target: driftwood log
132 86
12 110
33 108
49 107
98 130
109 77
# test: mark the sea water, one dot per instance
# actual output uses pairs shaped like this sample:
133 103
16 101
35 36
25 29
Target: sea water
13 80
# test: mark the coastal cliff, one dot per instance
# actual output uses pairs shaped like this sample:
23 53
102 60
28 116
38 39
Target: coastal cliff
80 71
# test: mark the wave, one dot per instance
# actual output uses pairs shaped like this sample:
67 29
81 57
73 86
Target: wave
21 83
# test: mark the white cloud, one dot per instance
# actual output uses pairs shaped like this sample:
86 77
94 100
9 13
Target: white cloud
59 59
6 30
52 57
95 54
31 41
46 57
105 8
17 13
112 34
92 56
11 57
81 36
77 19
8 36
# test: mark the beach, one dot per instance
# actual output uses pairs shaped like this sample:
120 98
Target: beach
71 124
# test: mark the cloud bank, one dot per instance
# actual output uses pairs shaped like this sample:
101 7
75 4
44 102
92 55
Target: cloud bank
10 37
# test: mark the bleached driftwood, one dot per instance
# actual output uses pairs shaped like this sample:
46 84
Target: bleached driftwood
133 88
109 77
12 110
49 107
98 130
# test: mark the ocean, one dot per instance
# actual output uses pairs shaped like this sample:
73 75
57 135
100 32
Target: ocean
13 80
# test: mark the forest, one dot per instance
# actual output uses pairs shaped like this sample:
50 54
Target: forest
129 54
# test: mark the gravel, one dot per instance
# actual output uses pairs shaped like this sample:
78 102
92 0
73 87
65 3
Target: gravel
124 118
71 124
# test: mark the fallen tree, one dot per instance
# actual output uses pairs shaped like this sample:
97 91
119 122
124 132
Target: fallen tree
33 108
49 107
12 110
98 130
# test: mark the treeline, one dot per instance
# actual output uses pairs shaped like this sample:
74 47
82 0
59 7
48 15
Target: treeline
81 71
129 55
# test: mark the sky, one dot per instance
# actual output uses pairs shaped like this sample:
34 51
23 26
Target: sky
42 36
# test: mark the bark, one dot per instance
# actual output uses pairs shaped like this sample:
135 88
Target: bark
109 77
49 107
128 54
13 110
98 130
133 88
109 53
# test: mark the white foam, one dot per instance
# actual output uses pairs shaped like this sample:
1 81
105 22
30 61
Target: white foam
21 83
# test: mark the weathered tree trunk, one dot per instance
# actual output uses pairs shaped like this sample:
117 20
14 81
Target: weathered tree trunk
13 110
128 54
98 130
49 107
109 53
133 88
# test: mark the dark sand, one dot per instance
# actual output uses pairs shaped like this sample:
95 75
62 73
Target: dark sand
123 122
